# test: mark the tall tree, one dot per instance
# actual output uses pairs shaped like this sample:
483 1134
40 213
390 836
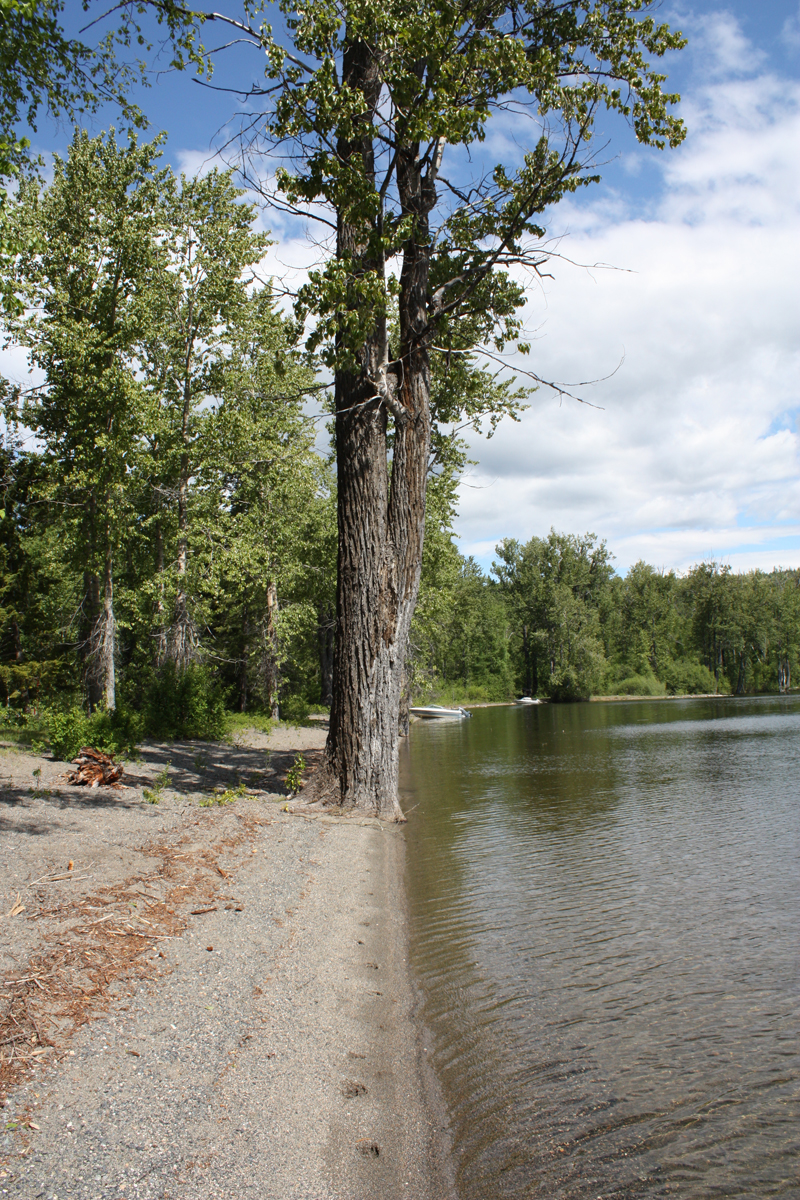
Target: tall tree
372 102
555 587
197 299
43 69
84 284
259 493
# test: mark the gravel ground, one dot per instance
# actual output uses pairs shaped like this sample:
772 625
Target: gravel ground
205 1001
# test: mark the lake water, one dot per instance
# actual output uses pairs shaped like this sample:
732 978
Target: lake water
605 916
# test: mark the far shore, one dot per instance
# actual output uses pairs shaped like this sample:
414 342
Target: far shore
627 699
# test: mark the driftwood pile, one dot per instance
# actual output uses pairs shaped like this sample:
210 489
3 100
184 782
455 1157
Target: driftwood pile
95 769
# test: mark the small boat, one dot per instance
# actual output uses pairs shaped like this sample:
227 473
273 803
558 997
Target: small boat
436 710
528 700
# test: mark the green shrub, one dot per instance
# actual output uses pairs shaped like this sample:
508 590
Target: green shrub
686 677
114 732
294 709
640 685
68 732
184 704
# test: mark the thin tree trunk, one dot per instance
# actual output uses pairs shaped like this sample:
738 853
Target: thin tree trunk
245 657
272 673
107 644
183 638
740 682
526 658
160 652
90 609
91 585
784 674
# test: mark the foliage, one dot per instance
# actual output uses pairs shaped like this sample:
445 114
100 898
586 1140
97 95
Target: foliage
555 588
175 504
295 710
183 704
153 794
223 797
114 732
573 629
237 723
294 775
43 69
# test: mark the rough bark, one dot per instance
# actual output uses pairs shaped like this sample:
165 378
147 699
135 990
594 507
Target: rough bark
381 505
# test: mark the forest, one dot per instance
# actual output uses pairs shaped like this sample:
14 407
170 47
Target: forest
168 509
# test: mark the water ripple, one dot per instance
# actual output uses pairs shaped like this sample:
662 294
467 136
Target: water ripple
604 912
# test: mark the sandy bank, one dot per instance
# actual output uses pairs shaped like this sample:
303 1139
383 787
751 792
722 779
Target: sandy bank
214 1001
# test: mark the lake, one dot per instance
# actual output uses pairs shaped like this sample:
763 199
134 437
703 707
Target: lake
605 927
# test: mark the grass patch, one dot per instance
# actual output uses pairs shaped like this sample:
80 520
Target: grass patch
228 796
238 723
153 794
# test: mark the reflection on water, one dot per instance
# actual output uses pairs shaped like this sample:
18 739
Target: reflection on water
605 903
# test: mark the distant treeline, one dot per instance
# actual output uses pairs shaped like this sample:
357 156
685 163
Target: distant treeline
553 619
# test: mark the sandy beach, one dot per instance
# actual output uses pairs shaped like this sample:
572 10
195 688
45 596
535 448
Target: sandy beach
204 999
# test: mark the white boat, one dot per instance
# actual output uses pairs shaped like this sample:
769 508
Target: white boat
528 700
436 710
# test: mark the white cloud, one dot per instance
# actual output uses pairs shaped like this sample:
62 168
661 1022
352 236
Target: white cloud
197 163
724 48
790 33
696 452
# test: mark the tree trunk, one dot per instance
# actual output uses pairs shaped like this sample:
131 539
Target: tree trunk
101 673
109 638
243 680
183 635
380 524
741 680
160 651
526 658
271 671
784 673
405 701
90 609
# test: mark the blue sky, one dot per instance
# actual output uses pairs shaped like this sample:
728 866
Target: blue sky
689 279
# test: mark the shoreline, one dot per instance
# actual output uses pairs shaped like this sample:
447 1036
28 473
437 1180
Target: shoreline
265 1047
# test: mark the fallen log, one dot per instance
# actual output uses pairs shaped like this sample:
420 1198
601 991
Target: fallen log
95 769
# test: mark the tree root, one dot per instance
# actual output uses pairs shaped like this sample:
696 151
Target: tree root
321 793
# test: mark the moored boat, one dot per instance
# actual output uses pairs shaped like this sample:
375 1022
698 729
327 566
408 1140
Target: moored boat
436 710
528 700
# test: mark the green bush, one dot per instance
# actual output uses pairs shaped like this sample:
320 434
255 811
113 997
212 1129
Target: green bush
68 732
184 704
114 732
294 709
639 685
685 677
